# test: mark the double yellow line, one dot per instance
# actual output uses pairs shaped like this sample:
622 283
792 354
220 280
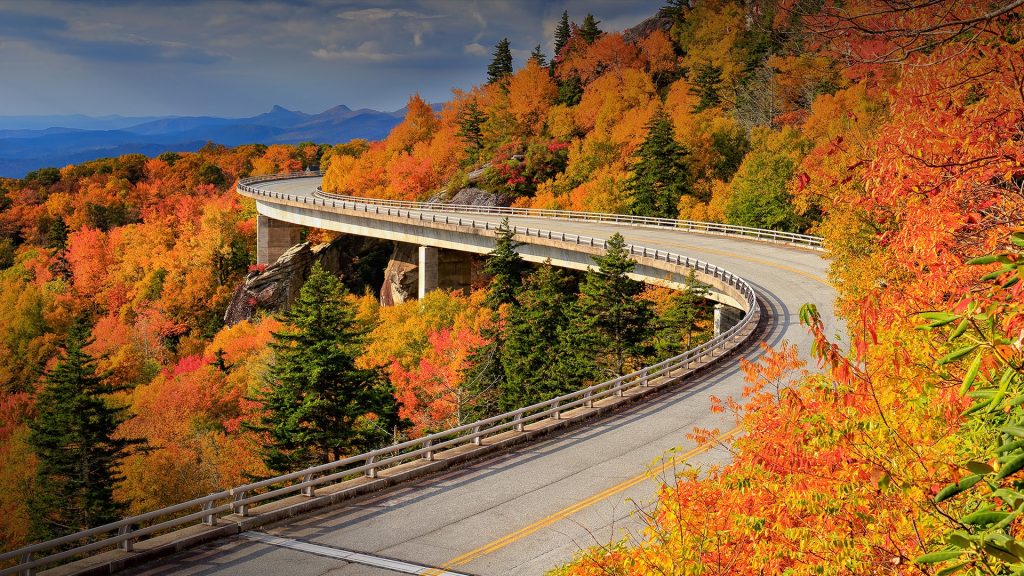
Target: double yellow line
570 510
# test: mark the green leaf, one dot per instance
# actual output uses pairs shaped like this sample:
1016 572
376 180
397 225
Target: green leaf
1001 553
960 329
1010 446
975 407
972 374
1006 522
957 354
1018 239
1011 467
940 556
939 318
957 487
984 517
978 467
980 260
959 539
1013 430
1004 384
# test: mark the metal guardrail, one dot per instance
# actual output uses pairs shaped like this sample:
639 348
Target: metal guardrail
237 500
715 228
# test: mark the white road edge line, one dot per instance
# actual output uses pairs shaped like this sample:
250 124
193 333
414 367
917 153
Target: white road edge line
349 556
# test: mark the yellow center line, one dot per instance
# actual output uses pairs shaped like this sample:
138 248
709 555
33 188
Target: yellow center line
570 510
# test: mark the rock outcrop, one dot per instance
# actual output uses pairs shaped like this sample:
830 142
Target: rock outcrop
401 277
276 287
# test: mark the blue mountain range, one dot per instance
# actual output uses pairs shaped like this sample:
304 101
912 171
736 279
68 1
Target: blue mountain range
28 143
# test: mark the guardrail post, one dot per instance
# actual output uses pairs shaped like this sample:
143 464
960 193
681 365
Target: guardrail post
620 391
372 471
519 422
476 436
643 379
557 415
25 559
308 490
126 545
587 402
429 454
210 519
242 509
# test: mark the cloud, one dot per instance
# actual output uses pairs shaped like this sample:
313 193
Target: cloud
96 42
475 49
370 51
374 14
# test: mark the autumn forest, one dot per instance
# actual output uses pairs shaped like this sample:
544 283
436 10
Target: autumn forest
892 129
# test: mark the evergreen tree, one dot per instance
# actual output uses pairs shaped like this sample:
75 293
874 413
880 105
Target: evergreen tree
486 378
659 172
679 321
562 33
707 86
57 239
501 66
589 31
57 235
538 56
615 325
471 121
505 266
532 371
74 436
570 91
318 405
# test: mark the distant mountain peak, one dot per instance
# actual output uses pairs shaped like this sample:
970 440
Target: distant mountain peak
337 109
279 108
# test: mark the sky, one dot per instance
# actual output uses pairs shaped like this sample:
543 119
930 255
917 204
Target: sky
239 57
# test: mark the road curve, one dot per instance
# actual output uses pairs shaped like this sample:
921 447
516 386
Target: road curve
529 509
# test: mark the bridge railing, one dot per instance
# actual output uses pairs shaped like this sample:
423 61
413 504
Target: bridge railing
694 226
238 500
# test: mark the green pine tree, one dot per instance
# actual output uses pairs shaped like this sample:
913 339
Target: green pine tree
615 325
501 66
57 235
471 121
318 405
485 377
538 56
707 85
570 91
676 326
532 370
505 266
589 31
562 32
74 436
659 171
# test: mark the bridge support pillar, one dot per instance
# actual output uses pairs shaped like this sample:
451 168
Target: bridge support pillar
274 238
726 317
427 270
447 269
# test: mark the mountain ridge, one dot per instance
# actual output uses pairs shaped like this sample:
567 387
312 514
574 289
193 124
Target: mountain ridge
24 148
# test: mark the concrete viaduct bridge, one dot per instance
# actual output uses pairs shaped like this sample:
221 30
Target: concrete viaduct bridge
515 494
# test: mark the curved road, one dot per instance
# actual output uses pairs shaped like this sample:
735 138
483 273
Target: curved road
530 509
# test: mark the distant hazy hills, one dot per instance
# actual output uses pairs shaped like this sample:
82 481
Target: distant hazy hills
31 142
